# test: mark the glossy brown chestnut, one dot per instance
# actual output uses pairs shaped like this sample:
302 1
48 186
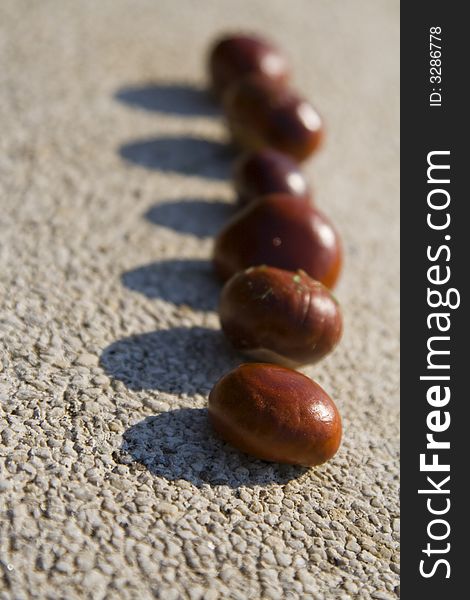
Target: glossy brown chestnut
275 414
235 56
265 172
262 113
280 231
280 316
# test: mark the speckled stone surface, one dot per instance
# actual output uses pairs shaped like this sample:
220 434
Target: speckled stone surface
113 181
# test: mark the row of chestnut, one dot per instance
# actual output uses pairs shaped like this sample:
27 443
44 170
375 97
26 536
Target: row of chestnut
279 257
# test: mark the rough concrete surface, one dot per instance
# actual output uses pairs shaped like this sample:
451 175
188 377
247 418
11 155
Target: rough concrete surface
113 177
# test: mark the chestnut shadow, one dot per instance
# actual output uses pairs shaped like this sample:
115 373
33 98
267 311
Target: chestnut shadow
187 155
189 282
173 98
180 444
180 360
199 217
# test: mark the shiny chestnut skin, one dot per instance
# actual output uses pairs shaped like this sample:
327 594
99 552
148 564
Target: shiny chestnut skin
265 172
275 414
280 316
280 231
263 114
233 57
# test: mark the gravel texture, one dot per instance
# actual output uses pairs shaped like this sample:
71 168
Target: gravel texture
113 181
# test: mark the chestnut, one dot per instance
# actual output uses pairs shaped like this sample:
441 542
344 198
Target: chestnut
261 113
280 316
275 414
267 171
235 56
279 231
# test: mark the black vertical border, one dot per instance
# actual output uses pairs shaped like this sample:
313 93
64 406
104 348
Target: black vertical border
424 129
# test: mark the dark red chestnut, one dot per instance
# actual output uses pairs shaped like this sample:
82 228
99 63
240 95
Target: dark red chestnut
262 113
275 414
280 316
280 231
235 56
267 172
